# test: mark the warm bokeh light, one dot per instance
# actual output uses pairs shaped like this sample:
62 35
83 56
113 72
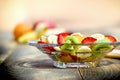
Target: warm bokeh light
77 13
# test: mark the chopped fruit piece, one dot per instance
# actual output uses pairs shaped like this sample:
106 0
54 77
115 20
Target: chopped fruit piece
43 38
84 49
61 37
74 57
41 42
66 58
111 38
98 36
85 52
52 39
49 48
67 48
79 36
88 40
57 48
101 48
73 39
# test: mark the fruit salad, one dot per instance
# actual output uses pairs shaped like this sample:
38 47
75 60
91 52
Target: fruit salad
75 47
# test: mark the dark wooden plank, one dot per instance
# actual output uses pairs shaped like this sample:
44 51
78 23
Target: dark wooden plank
28 63
105 72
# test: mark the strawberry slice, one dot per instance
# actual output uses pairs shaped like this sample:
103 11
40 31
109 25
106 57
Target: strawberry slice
74 57
61 37
49 48
111 38
88 40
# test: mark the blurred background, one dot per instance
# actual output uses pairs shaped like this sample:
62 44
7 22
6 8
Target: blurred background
70 14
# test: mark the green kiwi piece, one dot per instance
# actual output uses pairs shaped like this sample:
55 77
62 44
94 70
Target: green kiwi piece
67 47
101 49
73 39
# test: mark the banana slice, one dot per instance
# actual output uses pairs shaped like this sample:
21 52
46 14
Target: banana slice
43 38
98 36
52 39
84 49
57 48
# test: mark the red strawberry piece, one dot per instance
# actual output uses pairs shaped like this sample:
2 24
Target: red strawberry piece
88 40
74 57
61 37
111 38
49 48
41 42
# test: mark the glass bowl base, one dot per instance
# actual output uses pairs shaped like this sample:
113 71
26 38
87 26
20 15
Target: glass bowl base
59 64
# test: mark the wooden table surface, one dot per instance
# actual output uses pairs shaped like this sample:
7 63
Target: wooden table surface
25 62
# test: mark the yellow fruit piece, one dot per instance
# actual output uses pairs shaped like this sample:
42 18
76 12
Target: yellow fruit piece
28 36
79 36
66 58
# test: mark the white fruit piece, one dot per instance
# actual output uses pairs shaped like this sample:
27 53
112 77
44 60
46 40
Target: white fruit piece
43 38
98 36
57 48
52 39
86 52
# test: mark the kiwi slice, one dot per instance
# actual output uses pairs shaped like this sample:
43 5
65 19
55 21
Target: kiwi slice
100 49
73 39
67 47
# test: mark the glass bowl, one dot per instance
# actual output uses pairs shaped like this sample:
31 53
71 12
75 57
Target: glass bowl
73 58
